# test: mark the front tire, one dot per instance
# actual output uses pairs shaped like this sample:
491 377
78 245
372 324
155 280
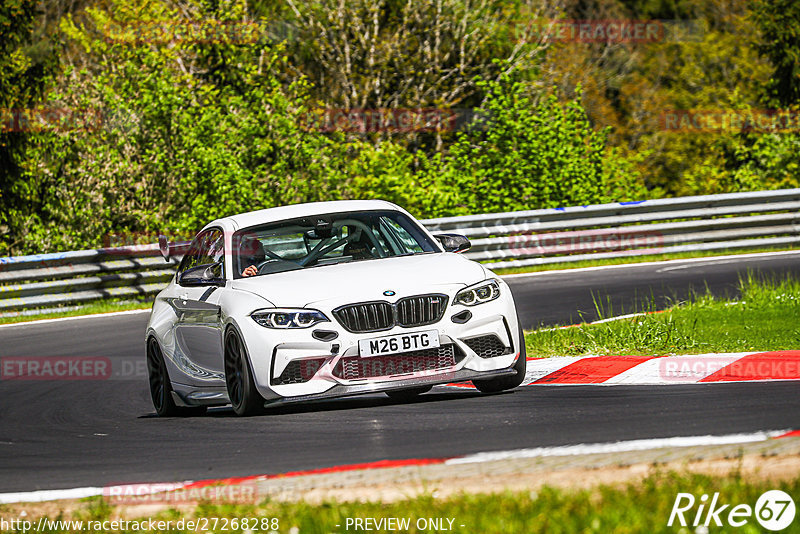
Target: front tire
496 385
242 392
161 387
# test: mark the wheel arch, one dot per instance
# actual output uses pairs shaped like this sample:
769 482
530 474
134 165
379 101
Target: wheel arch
149 334
232 325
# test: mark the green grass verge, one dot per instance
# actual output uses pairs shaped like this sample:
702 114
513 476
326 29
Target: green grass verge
638 507
764 318
101 306
636 259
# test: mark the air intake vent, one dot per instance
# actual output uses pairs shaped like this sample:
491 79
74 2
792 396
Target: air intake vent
355 368
487 346
298 371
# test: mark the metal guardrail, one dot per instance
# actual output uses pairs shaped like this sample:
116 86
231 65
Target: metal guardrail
701 223
500 240
82 276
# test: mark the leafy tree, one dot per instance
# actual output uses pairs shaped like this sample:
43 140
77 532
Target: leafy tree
525 155
164 133
26 70
779 24
175 147
410 53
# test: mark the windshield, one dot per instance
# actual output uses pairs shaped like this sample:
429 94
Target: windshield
326 240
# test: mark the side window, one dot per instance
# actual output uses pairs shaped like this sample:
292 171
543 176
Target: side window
404 239
206 249
215 252
375 230
190 258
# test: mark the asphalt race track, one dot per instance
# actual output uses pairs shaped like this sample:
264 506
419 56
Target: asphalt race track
63 434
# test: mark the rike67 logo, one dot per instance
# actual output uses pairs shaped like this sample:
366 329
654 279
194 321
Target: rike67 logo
774 510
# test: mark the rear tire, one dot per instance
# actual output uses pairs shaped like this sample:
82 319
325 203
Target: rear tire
242 392
161 387
407 394
496 385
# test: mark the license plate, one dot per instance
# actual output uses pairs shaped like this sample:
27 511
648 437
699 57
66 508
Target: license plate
379 346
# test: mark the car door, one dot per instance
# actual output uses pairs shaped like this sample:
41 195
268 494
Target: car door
198 330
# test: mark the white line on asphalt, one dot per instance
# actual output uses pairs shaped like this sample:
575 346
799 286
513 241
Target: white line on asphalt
619 446
654 263
710 261
620 317
49 495
75 317
601 321
567 450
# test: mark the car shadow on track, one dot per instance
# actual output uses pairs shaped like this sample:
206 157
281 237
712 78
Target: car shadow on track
348 403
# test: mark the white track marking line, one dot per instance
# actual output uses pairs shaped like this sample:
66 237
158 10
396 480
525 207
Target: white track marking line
599 321
49 495
620 317
619 446
74 318
696 265
683 369
566 450
122 490
653 263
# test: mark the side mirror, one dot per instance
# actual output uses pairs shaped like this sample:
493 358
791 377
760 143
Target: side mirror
453 242
203 275
163 247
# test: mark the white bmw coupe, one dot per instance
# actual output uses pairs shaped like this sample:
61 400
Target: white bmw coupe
325 300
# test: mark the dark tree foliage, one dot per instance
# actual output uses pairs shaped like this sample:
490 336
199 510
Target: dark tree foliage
779 23
26 66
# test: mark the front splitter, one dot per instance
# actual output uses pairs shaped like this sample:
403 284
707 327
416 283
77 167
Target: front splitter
341 390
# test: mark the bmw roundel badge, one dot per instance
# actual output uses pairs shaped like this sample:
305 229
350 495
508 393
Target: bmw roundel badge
389 293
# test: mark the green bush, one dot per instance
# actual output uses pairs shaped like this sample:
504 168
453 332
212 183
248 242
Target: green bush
524 155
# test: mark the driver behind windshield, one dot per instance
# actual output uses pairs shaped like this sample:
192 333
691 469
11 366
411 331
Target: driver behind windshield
359 248
251 253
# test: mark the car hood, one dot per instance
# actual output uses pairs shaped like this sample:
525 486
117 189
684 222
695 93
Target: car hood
332 285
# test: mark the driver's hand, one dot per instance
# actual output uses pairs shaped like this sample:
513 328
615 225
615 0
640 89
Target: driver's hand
250 271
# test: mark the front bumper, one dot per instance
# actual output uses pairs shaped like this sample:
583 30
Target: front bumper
341 390
270 357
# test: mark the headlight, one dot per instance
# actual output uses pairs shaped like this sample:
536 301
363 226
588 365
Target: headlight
479 293
288 318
